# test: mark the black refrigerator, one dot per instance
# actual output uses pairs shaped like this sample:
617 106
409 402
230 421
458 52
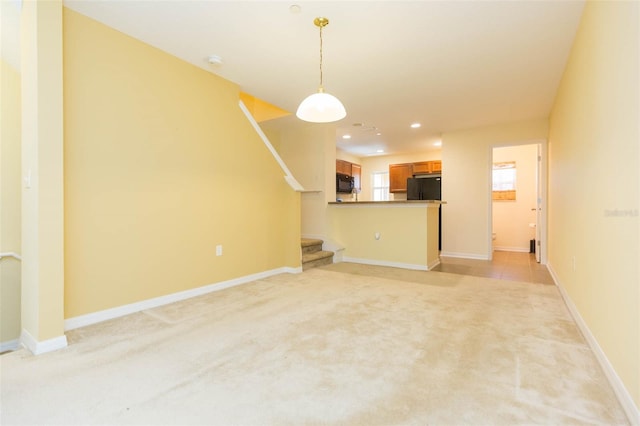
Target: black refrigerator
424 188
427 188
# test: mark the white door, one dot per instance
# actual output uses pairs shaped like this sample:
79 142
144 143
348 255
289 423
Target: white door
539 198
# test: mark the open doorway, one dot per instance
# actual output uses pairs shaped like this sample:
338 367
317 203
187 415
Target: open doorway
518 197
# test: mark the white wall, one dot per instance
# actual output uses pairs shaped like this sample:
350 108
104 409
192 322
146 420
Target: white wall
512 219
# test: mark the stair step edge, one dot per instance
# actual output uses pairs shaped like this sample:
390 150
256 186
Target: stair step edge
310 257
306 242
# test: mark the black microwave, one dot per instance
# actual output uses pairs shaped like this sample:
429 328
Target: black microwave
344 183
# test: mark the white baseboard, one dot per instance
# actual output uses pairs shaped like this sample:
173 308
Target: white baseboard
623 395
9 345
464 255
385 263
516 249
107 314
37 348
433 264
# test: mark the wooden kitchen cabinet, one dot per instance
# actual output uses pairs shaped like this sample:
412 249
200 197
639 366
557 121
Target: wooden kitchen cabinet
422 167
356 172
398 175
427 167
343 167
350 169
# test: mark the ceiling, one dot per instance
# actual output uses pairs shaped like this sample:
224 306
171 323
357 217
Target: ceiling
448 65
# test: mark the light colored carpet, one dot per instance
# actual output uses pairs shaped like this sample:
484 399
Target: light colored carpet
343 344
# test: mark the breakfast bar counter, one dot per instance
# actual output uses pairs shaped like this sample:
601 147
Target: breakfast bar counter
393 233
396 203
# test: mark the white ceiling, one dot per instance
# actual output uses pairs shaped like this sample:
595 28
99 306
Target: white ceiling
449 65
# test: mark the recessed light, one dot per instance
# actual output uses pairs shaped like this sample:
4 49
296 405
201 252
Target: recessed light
378 134
346 137
415 125
380 151
295 8
438 143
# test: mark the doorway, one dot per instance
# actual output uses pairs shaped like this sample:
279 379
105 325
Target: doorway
518 199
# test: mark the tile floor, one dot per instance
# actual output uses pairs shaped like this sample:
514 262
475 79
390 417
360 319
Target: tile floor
506 265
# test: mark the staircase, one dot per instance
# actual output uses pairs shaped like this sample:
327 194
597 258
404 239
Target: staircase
313 255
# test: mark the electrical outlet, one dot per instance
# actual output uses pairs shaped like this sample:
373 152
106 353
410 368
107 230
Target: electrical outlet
219 250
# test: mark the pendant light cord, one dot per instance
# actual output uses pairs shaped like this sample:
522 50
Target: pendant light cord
321 57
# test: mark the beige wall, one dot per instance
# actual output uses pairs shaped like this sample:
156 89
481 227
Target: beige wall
160 167
309 152
403 232
341 155
42 273
466 183
594 183
10 199
511 219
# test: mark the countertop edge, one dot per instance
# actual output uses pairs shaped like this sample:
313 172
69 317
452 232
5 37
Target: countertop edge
397 202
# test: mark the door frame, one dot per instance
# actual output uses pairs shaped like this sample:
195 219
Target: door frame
541 190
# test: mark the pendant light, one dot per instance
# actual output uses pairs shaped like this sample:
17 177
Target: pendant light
321 107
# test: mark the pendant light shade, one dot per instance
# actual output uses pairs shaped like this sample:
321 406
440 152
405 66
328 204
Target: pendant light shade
321 107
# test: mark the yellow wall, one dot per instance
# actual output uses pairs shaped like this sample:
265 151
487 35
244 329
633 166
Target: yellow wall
261 110
466 183
594 182
10 199
160 167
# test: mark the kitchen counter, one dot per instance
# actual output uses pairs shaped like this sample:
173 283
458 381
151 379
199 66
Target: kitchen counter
397 202
402 233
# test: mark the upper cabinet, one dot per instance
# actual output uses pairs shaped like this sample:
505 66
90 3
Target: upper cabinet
399 173
343 167
350 169
426 167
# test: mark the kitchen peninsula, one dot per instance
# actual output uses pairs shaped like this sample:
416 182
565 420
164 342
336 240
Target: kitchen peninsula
403 234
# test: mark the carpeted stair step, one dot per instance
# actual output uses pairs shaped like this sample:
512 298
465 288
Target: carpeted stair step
310 245
318 258
313 255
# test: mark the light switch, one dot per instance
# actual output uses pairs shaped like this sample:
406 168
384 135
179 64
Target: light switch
27 179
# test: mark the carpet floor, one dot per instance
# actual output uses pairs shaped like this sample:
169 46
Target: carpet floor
343 344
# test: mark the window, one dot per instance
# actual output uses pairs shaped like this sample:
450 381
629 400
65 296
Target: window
504 181
380 186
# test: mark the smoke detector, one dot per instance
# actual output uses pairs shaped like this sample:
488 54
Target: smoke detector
214 60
